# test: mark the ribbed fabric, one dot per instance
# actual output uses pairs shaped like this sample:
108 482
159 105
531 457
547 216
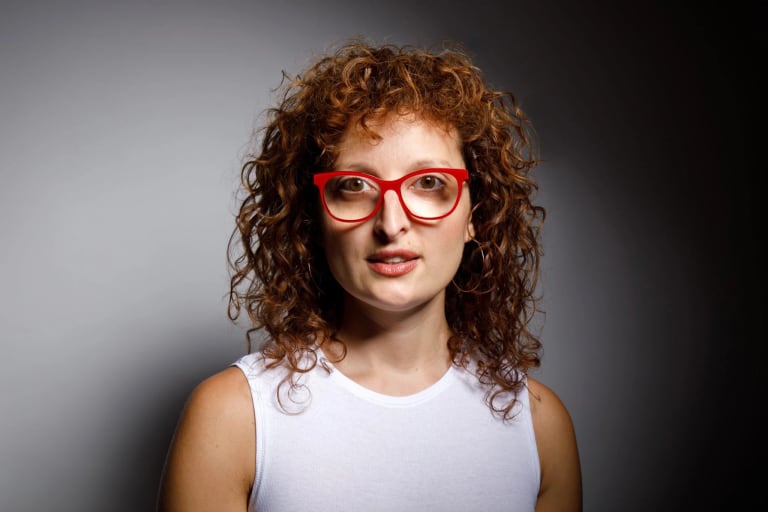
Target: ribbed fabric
341 447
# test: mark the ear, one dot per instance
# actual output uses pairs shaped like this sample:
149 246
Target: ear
470 234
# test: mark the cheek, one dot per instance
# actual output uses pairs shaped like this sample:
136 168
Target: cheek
453 242
338 248
332 256
329 243
450 242
329 234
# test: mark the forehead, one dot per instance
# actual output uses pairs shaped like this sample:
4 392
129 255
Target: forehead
376 127
399 144
394 137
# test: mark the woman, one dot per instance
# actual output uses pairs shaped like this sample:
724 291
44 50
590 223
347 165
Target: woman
387 248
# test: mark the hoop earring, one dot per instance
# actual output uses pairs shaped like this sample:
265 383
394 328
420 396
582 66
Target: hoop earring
475 289
312 277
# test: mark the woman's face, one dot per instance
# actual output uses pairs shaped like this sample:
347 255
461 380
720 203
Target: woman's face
392 261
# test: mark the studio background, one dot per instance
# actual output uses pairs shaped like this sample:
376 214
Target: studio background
122 129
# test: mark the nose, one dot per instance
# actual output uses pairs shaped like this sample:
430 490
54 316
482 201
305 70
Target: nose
391 219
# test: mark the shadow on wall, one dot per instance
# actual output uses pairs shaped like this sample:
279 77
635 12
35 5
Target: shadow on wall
151 415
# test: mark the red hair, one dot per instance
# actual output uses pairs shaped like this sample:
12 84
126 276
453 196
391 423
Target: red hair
279 273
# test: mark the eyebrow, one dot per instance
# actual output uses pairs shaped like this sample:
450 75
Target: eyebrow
415 166
426 164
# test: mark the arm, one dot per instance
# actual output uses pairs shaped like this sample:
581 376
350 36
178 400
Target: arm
560 489
211 461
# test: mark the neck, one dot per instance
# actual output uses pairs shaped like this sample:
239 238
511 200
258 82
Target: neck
394 352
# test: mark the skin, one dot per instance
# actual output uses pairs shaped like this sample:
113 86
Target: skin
407 145
393 326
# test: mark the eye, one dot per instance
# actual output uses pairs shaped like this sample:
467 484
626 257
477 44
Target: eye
353 184
429 182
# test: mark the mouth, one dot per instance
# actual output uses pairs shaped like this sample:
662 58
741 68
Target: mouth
392 257
393 263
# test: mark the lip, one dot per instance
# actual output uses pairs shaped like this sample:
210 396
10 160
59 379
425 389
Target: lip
379 262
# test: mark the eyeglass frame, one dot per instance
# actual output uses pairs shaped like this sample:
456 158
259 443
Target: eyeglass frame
321 179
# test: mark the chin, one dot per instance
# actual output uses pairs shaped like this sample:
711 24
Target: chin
395 302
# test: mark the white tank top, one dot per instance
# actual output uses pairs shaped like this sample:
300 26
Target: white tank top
342 447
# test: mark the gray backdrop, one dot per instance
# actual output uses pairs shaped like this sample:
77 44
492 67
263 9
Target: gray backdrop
122 128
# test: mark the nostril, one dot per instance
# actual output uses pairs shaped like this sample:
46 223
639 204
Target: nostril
392 219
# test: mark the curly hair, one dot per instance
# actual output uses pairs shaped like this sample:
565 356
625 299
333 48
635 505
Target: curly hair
279 274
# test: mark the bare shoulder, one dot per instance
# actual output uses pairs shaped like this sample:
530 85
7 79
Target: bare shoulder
210 464
224 392
558 453
219 407
546 406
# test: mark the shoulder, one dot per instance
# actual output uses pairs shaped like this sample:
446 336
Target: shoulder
223 395
547 409
558 453
552 424
220 410
213 450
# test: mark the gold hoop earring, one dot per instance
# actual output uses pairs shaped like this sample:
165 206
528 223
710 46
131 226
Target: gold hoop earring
482 266
312 277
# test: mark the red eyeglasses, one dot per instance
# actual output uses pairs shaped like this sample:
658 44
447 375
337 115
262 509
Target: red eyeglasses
426 194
